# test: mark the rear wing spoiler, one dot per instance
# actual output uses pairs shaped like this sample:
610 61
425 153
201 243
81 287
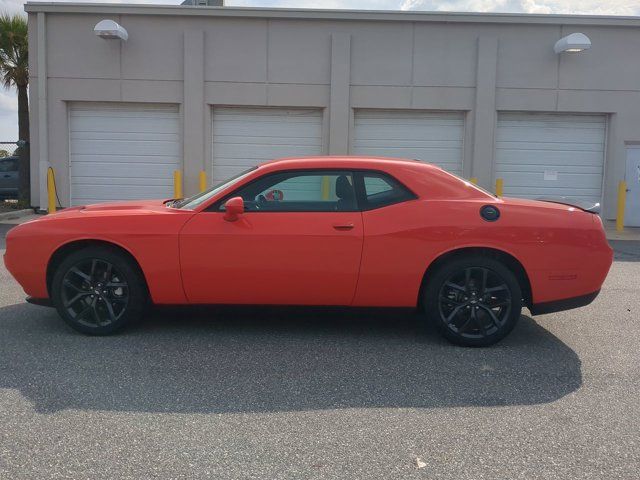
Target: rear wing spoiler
592 207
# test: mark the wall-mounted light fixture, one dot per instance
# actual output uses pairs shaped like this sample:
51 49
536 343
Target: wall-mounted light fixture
109 29
573 43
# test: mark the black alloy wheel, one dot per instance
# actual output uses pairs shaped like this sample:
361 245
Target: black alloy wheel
94 293
473 301
98 290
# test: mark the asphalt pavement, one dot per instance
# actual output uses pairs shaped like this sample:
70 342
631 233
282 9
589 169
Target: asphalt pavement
298 394
4 228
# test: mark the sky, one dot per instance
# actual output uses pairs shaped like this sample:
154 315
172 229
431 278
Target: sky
8 100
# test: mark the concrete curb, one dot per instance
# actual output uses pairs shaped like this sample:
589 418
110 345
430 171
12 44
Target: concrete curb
16 214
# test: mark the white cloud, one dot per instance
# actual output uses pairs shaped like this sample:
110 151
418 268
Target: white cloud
8 115
595 7
11 6
8 101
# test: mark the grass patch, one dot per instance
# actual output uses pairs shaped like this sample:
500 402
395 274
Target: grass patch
11 205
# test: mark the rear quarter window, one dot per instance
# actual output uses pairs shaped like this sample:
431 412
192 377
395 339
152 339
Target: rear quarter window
380 190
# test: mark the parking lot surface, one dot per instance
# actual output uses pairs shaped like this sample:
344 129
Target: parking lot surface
295 394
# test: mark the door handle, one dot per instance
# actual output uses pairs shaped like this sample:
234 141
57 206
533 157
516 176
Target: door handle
7 176
344 226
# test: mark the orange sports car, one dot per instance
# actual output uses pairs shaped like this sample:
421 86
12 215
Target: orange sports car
339 231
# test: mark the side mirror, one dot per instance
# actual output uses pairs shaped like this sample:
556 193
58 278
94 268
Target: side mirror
233 208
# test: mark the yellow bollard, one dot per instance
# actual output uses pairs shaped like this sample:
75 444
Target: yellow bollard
177 184
499 186
474 180
51 190
326 187
203 180
622 200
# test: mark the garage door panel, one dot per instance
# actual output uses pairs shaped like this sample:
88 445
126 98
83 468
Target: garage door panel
566 169
106 193
122 151
130 135
586 193
244 137
139 171
551 154
224 172
128 159
266 129
551 147
427 133
265 140
536 180
554 158
124 147
105 125
261 151
434 137
442 154
93 182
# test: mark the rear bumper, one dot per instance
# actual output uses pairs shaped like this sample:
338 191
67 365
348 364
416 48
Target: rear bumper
564 304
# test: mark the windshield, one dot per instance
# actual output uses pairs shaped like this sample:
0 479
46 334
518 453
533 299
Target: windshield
198 199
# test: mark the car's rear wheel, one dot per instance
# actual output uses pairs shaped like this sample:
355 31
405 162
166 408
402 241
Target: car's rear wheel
473 301
98 291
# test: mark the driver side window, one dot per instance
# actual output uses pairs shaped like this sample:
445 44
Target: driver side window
308 191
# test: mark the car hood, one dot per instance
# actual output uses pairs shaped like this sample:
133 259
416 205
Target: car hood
124 205
133 207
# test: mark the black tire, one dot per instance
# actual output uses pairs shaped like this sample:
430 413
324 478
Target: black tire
98 290
473 301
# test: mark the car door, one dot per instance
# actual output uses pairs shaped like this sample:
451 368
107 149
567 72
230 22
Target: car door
298 242
8 176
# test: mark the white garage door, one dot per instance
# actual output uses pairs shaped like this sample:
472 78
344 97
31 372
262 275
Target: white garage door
433 137
244 137
551 155
122 151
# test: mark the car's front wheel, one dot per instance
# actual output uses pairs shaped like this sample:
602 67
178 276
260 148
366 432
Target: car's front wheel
98 290
473 301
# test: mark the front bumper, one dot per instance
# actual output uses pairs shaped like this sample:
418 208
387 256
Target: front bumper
42 302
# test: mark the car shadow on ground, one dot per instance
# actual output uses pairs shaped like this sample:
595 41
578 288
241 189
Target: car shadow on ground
269 360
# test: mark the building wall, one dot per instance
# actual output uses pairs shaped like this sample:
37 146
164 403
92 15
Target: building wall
339 61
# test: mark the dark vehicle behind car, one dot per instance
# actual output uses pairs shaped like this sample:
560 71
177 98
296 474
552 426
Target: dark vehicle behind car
9 179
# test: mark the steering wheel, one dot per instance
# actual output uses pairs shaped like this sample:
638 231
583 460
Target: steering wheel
250 205
262 200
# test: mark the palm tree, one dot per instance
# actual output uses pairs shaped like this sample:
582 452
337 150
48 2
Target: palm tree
14 72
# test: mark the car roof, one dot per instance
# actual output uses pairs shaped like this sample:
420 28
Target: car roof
343 161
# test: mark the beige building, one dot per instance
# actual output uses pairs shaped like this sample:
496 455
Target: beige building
218 89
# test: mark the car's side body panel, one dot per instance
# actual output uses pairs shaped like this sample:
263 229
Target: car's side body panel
299 258
401 241
149 234
295 258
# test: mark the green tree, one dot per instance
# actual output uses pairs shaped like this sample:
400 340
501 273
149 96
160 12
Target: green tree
14 72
